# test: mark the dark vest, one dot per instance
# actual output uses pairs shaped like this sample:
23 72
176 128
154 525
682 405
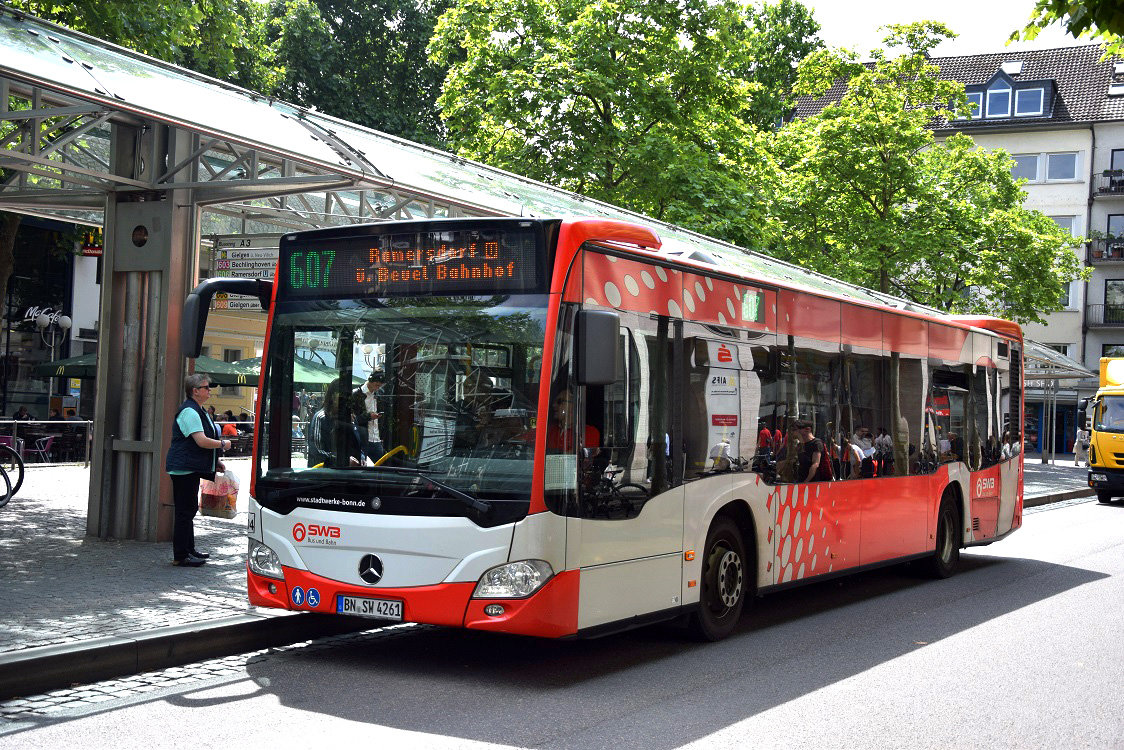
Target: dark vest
184 454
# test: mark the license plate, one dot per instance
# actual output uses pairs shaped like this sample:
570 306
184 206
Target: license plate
379 609
1098 477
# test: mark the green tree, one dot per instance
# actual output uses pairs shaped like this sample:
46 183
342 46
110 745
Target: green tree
868 194
364 62
644 104
1095 19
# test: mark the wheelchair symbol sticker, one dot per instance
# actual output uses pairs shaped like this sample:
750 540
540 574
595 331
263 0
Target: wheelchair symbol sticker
313 598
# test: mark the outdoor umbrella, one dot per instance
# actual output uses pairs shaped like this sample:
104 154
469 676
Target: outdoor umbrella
84 366
229 373
305 373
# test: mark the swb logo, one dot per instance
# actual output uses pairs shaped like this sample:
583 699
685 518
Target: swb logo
985 484
300 532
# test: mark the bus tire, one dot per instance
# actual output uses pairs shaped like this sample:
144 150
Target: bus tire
725 582
1104 497
946 556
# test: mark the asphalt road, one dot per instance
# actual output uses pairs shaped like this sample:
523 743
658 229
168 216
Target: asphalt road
1020 649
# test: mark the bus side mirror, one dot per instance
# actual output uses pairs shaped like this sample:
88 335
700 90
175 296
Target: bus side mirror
193 324
598 348
1083 404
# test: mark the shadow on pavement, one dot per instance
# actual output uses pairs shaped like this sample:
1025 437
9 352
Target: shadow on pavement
612 691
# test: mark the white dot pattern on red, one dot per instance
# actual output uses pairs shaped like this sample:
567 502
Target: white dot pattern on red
634 285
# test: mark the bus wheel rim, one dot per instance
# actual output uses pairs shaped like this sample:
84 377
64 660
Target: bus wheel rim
729 579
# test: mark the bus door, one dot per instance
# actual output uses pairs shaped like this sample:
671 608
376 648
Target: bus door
626 535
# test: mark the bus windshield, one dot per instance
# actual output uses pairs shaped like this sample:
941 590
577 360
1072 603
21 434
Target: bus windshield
438 393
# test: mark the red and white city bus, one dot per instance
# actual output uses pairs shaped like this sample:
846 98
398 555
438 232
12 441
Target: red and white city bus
582 432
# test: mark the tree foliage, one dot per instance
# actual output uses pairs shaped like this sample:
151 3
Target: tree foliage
1095 19
645 104
869 195
364 62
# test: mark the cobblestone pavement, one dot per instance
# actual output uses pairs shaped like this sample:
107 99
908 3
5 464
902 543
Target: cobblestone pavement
1046 478
58 586
20 713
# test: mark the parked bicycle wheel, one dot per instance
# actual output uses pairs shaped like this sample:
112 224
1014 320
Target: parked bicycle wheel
5 487
12 464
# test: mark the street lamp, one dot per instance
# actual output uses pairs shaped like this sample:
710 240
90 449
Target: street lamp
52 330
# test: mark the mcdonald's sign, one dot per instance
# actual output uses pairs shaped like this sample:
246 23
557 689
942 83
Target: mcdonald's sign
92 243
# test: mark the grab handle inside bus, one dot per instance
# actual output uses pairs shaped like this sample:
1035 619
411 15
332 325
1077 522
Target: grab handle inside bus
598 352
198 302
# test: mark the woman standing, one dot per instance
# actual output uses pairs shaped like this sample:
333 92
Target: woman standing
192 456
1081 447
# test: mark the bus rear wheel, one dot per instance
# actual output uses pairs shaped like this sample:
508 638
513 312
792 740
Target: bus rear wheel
725 581
1104 497
947 553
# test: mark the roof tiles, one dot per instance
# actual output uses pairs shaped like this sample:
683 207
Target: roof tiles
1081 78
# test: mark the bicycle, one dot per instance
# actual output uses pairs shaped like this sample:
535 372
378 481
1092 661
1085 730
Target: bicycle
12 464
608 498
5 487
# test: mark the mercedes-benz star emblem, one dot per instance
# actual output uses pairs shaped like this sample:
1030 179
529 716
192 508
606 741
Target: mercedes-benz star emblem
370 569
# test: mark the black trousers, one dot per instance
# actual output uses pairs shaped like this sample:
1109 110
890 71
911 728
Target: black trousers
185 496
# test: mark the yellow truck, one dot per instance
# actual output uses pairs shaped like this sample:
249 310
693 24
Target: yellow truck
1106 441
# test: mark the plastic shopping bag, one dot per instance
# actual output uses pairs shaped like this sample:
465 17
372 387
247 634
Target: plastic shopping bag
220 497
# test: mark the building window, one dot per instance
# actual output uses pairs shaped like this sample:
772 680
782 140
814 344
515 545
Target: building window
974 108
1061 166
1026 167
1118 159
1062 349
1066 297
1068 223
231 355
1112 350
1028 102
999 100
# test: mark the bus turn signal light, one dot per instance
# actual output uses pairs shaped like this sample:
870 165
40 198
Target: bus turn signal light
689 555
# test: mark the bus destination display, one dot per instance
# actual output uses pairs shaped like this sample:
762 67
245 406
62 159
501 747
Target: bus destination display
464 261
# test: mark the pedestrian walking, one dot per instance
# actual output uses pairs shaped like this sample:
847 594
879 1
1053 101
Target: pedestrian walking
1081 448
192 455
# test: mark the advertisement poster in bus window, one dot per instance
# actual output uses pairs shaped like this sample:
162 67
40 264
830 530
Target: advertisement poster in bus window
723 402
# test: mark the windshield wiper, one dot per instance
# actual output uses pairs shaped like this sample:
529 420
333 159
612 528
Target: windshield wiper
464 497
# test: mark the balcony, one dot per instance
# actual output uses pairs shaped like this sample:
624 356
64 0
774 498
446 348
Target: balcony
1109 183
1106 251
1105 316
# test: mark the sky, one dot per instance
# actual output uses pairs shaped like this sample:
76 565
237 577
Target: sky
983 25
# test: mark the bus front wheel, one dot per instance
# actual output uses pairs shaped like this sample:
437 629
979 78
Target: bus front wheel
1104 497
725 580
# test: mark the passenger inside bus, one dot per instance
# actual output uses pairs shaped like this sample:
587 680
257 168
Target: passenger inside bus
328 433
560 432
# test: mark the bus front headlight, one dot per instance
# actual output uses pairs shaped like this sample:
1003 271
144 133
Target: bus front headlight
263 561
513 580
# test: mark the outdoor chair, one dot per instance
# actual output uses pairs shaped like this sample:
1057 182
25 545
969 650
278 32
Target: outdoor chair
42 449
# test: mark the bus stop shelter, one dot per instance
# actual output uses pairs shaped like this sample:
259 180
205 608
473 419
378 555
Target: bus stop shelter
159 156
